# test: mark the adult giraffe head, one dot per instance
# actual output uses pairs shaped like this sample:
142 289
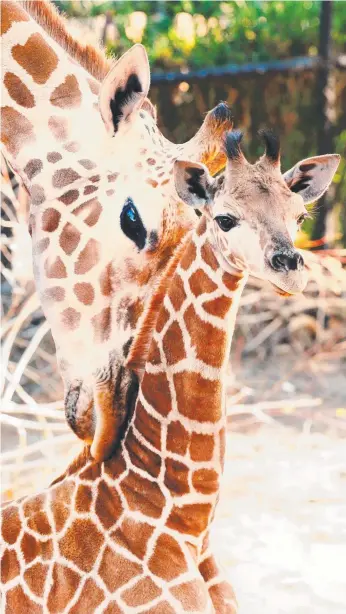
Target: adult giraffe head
255 210
105 218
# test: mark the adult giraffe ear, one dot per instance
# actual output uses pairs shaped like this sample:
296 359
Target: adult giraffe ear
124 88
311 177
193 183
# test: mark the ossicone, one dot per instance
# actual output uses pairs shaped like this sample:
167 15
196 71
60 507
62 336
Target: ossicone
272 145
232 145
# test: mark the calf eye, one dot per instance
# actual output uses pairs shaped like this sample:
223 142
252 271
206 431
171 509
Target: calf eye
132 225
226 222
302 218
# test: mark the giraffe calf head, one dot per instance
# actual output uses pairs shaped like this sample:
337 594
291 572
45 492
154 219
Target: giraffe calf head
254 210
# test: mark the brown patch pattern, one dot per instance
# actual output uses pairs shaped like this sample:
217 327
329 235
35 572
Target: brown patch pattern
11 525
193 390
81 544
143 591
205 481
69 238
108 504
69 197
84 292
83 498
173 344
56 270
177 293
57 293
102 325
201 447
65 582
9 566
219 306
50 220
16 130
231 282
189 256
33 168
176 477
41 246
90 597
17 601
88 164
209 342
200 283
58 127
35 578
37 194
178 438
155 389
18 91
89 211
70 318
88 257
143 495
167 549
72 146
141 456
115 570
133 535
36 57
64 177
148 426
53 157
11 13
209 257
190 519
67 95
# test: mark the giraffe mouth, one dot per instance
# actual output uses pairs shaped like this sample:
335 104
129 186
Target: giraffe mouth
282 292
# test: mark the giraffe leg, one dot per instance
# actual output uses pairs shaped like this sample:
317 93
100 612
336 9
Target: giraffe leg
220 591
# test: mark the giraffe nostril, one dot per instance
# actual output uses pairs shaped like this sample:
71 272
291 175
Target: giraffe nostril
287 262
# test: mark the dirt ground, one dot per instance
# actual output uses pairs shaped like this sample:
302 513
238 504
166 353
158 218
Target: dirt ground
280 528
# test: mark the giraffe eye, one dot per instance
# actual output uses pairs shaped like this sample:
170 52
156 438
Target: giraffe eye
226 222
302 218
131 224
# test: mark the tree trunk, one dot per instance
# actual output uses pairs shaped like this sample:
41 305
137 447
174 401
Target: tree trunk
324 104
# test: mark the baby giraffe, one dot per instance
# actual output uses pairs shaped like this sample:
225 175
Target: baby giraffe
131 535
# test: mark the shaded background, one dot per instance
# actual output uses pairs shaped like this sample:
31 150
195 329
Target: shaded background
281 523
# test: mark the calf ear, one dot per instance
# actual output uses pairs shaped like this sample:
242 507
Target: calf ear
125 87
311 177
193 183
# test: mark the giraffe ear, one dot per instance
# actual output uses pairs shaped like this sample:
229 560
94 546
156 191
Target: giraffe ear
193 183
311 177
125 87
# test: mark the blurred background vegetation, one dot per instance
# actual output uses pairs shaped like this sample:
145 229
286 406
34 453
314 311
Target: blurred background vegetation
280 64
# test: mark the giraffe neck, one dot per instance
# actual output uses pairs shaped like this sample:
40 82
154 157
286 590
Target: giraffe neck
44 108
177 432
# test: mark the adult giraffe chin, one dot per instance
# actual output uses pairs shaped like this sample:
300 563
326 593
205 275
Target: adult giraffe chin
104 219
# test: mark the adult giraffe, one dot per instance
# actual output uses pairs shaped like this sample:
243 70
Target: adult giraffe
96 253
131 534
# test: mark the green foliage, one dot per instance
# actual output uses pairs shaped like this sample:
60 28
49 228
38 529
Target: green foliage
215 32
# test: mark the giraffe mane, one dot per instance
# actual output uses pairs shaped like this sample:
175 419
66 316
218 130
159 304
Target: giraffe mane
139 351
93 59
